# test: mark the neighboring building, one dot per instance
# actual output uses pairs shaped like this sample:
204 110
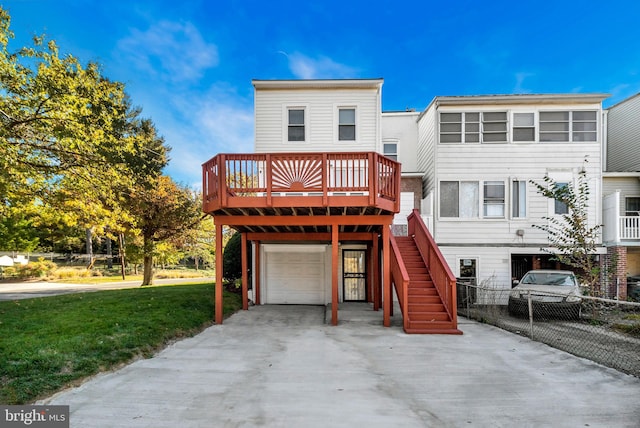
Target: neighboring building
621 189
479 155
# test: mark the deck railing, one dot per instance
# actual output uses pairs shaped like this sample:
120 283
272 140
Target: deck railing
441 275
629 227
400 277
324 179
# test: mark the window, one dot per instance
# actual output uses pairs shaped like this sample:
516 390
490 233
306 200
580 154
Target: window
584 125
347 124
493 205
494 127
459 199
563 126
473 127
390 150
524 128
560 207
518 199
295 124
632 206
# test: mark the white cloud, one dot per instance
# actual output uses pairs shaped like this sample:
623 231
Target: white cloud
519 88
321 67
175 51
203 125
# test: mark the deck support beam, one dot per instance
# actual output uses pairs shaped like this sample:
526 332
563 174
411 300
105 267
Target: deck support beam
376 274
334 274
219 267
256 275
245 276
386 278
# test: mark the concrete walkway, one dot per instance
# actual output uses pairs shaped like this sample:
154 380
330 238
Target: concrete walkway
283 366
31 289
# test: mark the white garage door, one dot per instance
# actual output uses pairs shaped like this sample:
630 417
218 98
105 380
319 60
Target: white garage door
295 276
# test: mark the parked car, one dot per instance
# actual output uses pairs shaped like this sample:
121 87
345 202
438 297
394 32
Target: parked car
554 294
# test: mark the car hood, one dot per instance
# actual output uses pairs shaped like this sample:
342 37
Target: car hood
552 292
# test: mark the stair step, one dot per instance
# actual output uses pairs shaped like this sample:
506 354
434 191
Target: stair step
425 307
424 299
421 283
428 316
422 291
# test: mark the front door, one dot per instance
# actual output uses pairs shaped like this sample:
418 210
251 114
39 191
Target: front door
354 276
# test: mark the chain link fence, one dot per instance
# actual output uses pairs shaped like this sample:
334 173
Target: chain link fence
602 330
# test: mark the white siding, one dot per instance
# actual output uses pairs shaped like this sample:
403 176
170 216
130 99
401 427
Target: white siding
403 128
628 186
427 129
623 146
505 162
321 119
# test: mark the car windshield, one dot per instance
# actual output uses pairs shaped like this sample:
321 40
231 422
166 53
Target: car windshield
548 278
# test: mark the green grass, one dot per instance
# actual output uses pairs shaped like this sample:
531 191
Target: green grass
48 343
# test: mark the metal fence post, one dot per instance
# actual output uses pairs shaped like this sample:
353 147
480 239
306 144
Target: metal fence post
530 314
467 299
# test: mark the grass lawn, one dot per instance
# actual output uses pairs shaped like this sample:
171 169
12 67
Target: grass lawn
48 343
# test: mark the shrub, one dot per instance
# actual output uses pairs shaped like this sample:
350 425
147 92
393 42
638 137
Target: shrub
39 269
232 264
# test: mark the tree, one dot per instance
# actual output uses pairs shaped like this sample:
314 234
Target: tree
163 211
69 137
572 239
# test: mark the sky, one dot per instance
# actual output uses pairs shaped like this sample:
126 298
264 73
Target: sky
189 64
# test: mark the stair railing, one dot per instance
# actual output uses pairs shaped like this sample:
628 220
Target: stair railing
441 275
400 279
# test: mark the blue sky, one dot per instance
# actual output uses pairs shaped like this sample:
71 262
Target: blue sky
189 63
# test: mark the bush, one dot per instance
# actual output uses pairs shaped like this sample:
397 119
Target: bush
39 269
232 264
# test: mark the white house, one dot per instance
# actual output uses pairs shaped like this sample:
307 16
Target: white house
479 155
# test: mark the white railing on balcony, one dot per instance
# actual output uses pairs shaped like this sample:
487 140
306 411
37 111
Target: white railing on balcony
629 227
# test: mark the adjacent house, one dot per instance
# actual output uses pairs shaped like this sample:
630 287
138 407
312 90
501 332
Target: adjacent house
621 189
480 155
343 202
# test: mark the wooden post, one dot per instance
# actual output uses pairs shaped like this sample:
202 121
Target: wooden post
376 273
219 264
245 276
256 275
334 274
386 277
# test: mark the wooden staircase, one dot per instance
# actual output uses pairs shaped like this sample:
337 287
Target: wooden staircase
425 309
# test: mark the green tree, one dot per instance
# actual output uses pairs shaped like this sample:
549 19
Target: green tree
163 211
572 238
69 137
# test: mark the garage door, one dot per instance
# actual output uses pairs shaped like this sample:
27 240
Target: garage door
295 277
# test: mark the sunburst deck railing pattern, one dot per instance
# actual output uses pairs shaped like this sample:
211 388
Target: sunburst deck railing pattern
300 179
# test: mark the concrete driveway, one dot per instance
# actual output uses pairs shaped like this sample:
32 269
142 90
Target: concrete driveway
283 366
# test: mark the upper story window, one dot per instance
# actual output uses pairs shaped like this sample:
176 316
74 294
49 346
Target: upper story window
560 207
493 205
524 127
518 199
347 124
390 150
295 127
473 127
565 126
632 206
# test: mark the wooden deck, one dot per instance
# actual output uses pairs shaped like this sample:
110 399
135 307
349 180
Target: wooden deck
301 185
